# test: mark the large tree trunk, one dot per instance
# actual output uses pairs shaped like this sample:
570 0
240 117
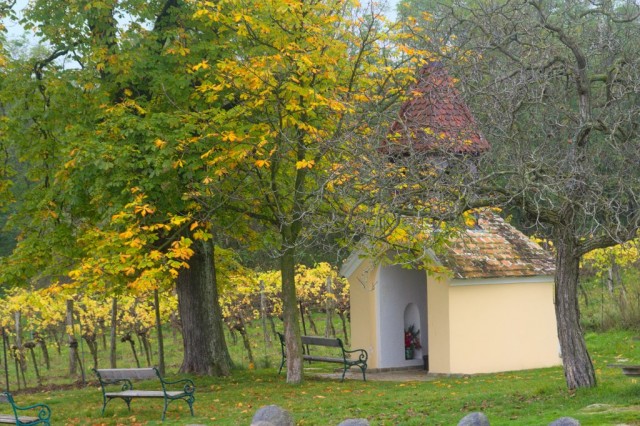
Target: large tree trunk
290 317
578 369
205 349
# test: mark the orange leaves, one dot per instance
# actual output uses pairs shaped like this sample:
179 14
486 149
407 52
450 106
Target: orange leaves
180 249
262 163
143 210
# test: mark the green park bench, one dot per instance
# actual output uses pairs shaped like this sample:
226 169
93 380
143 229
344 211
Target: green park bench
121 378
347 358
627 369
42 410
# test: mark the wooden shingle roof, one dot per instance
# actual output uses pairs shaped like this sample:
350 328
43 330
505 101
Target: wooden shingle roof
435 119
495 249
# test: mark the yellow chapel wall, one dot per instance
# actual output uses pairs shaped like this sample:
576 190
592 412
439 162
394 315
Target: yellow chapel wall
502 326
438 324
364 312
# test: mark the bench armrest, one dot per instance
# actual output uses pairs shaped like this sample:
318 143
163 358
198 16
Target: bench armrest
44 412
362 355
188 386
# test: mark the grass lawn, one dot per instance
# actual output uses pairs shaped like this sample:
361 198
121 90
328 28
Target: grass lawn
534 397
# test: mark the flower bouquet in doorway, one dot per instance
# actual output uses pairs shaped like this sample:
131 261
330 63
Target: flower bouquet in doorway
411 341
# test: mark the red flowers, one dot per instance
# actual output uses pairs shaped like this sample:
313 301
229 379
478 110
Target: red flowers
411 339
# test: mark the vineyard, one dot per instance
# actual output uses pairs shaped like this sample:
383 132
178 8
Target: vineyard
52 338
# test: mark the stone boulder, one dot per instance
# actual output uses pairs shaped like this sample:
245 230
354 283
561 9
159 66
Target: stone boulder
272 415
474 419
565 421
354 422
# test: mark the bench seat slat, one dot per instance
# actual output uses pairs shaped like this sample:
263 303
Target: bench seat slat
142 394
11 419
323 359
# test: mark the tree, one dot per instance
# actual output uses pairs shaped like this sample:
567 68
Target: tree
90 118
305 81
554 87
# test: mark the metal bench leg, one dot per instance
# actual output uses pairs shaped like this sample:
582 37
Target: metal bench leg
363 368
164 412
105 401
128 401
344 371
190 401
281 365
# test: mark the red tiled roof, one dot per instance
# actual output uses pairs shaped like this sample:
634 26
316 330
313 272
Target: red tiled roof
435 119
496 250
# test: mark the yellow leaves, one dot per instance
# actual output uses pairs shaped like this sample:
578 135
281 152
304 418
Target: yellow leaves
398 236
130 270
262 163
70 164
178 220
179 50
143 210
203 235
230 136
305 164
180 249
155 255
159 143
126 234
201 66
136 243
470 219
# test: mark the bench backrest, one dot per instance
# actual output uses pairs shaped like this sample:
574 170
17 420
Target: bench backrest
321 341
315 341
127 373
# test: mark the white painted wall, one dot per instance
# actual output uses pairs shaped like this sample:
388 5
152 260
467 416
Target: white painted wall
397 288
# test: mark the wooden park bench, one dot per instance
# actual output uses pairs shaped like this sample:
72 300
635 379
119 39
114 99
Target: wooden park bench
345 359
121 377
627 369
43 412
